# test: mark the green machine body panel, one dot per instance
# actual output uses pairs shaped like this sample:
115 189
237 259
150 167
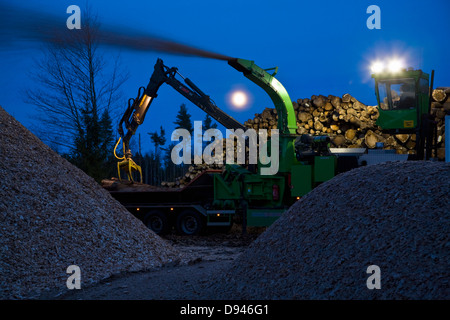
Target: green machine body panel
263 217
257 190
397 119
228 185
324 168
263 194
305 177
403 98
301 180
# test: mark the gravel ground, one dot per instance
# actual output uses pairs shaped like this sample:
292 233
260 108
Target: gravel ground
210 255
173 282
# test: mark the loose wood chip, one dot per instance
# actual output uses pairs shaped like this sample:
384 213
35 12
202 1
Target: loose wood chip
394 215
53 215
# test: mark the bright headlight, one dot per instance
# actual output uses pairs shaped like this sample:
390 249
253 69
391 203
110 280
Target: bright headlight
377 67
395 65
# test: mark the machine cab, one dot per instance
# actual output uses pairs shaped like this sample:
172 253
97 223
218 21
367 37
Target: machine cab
402 99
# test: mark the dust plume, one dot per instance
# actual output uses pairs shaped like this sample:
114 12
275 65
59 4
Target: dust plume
24 24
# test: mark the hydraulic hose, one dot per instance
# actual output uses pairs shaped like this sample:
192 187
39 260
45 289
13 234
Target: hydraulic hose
121 158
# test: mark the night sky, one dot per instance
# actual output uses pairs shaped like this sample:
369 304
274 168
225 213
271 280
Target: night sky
320 47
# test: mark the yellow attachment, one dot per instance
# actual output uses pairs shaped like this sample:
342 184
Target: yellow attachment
115 155
129 166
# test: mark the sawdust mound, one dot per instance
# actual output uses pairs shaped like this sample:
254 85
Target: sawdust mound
393 215
52 215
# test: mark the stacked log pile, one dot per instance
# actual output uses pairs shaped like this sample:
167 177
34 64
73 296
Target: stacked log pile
349 122
345 119
192 172
320 115
440 107
198 167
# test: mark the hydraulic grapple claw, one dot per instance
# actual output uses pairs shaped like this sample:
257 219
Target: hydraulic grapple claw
129 166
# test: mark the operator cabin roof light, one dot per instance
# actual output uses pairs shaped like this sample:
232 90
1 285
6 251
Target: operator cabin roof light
393 65
377 67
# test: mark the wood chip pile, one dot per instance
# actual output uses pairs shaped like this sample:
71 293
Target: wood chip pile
394 215
52 215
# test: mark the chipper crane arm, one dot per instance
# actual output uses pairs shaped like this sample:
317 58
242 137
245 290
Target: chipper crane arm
137 109
287 123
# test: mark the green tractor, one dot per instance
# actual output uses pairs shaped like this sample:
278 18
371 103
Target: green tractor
404 106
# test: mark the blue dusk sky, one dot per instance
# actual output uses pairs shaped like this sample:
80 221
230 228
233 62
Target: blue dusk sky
320 47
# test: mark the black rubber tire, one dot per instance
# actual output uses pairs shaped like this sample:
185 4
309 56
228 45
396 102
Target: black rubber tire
190 222
157 221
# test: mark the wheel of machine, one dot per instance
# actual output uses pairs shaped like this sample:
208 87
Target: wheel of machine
157 221
190 222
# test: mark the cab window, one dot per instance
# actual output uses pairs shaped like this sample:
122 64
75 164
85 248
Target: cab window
397 94
423 86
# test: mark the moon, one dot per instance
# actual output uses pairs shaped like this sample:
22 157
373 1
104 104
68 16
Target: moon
239 99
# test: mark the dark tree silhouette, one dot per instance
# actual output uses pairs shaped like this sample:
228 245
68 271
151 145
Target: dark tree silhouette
76 97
